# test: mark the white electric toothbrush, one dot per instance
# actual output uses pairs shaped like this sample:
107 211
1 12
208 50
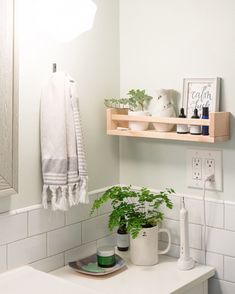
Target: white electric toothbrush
185 262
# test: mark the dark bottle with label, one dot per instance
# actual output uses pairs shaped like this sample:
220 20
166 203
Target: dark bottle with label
205 115
182 129
195 130
123 241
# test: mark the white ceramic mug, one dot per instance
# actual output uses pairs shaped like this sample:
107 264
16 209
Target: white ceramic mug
162 106
144 248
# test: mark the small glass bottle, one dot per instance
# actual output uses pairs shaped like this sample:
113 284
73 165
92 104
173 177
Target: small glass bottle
123 240
205 115
182 129
195 130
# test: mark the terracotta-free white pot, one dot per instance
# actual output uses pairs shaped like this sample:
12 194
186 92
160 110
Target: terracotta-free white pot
138 126
144 248
162 106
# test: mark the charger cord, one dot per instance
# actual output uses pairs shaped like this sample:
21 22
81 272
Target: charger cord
207 179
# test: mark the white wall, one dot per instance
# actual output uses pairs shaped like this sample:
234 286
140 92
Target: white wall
162 42
93 60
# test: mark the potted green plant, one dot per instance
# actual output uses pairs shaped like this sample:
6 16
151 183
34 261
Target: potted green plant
136 103
140 213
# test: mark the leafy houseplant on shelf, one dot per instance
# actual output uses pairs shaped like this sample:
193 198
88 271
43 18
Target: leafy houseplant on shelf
139 212
136 103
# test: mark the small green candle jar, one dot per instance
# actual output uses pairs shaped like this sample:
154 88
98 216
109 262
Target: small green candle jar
106 256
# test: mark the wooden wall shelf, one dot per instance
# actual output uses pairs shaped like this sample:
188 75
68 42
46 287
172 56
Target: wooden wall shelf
218 126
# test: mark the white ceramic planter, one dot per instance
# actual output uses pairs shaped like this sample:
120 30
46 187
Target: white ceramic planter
138 126
162 106
159 127
144 248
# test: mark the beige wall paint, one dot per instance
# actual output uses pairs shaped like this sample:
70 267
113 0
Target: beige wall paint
162 42
93 60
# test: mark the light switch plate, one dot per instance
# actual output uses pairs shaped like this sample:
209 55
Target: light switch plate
202 163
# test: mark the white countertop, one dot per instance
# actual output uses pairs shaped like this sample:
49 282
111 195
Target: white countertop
26 280
163 278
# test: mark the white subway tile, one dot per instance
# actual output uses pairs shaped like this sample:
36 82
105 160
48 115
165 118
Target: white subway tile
63 239
195 236
175 211
220 287
44 220
49 264
229 268
12 228
229 217
3 258
221 241
95 228
80 252
212 259
215 214
197 255
108 241
216 260
173 227
195 210
26 251
174 249
80 212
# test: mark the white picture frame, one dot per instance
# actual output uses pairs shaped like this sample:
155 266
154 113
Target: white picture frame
200 92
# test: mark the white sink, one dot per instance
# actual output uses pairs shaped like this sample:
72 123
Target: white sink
26 280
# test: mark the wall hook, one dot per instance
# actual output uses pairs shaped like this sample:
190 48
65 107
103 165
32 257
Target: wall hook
54 67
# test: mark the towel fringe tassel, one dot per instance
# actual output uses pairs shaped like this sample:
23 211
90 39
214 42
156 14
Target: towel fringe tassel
63 197
63 203
71 196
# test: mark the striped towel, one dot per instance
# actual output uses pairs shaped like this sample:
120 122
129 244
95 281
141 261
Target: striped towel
64 170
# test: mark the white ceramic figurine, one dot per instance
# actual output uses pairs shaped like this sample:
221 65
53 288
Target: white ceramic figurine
162 106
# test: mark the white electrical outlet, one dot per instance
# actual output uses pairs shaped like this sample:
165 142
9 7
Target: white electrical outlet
196 168
201 164
209 167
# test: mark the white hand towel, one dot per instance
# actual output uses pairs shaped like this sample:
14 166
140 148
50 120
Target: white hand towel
64 170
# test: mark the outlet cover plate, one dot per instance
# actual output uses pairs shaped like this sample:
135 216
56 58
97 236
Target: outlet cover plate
210 161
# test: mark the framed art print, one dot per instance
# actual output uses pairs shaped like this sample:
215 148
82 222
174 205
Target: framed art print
200 92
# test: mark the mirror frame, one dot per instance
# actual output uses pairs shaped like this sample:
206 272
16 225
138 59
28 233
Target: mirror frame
13 187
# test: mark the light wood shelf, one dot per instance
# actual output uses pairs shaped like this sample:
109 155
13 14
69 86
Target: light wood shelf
218 123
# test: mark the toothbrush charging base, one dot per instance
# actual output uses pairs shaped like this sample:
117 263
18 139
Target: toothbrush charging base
185 264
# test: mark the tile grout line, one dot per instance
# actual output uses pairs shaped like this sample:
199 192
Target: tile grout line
223 265
47 232
27 223
47 245
18 211
22 239
7 266
223 280
97 191
200 224
100 238
82 232
210 252
77 247
224 216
